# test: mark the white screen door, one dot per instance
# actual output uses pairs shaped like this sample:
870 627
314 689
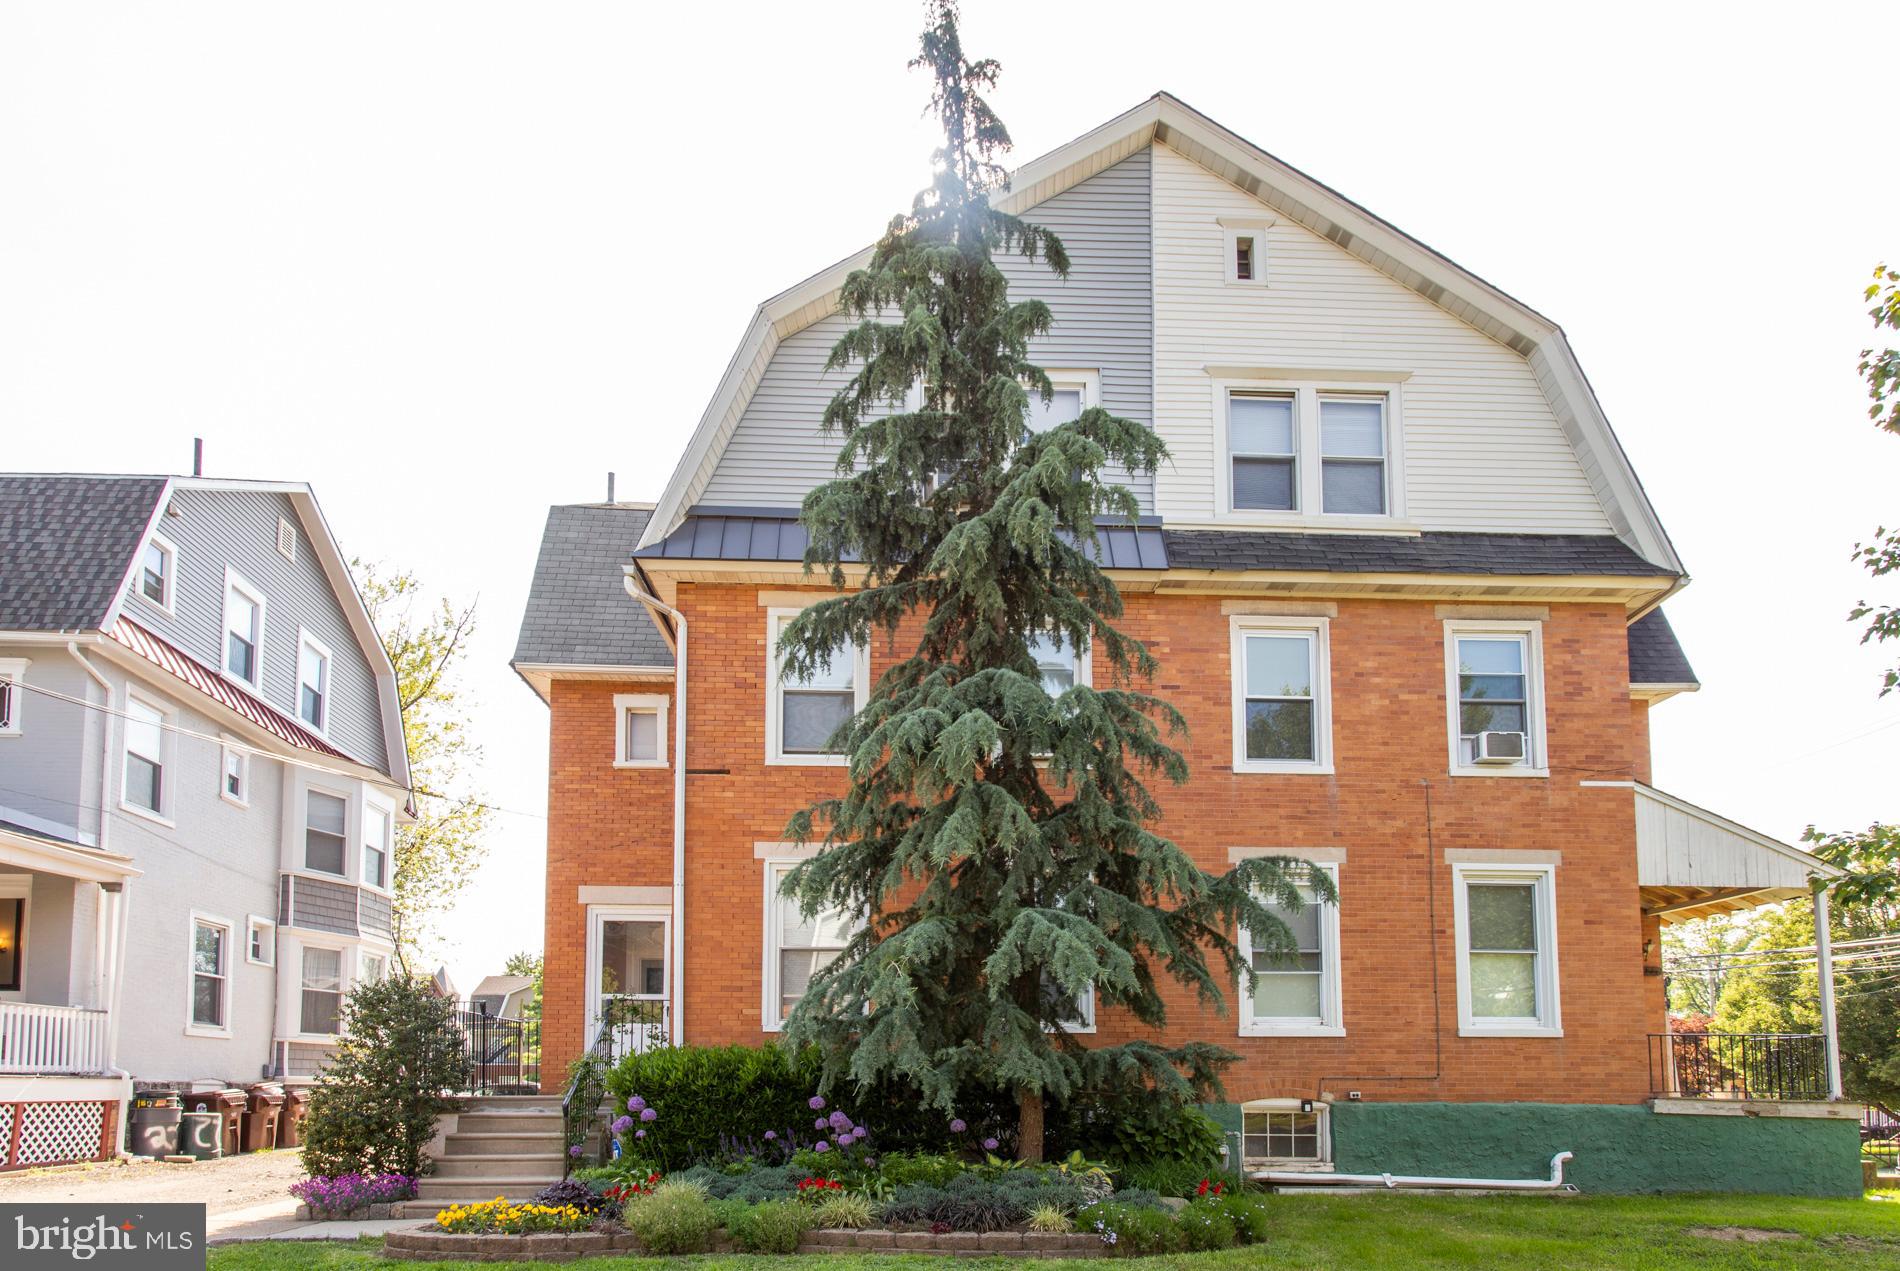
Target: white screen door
629 987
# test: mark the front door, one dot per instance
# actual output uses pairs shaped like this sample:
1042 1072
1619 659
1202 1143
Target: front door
629 985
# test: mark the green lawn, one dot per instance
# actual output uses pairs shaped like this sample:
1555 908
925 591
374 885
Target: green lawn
1650 1233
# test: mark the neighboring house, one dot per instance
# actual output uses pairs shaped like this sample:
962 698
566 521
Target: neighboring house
1399 577
201 770
503 996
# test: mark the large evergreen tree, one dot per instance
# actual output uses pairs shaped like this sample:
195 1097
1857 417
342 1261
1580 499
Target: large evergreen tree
994 838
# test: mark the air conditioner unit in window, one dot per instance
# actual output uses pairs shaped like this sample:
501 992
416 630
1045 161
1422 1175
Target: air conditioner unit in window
1501 748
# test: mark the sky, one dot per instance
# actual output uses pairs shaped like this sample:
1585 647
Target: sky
454 262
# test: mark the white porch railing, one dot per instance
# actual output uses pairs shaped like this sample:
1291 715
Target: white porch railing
55 1039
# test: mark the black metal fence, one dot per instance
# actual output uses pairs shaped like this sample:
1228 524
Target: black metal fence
1791 1066
504 1054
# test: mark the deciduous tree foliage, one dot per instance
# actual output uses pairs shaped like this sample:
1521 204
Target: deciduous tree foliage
995 840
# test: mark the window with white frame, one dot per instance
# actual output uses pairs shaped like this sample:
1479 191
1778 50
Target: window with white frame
1072 393
234 774
260 941
1285 1132
313 682
325 832
1507 949
1309 452
796 947
243 630
1058 663
1282 706
1296 992
802 715
1244 243
1352 455
1082 1018
210 974
322 983
640 730
158 571
14 890
376 826
1494 685
12 695
146 752
1262 452
371 967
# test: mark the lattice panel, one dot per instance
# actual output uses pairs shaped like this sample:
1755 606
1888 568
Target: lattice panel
7 1112
57 1133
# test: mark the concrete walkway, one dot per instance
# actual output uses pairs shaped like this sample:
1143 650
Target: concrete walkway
278 1221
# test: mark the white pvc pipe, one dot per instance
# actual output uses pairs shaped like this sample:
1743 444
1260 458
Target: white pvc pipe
676 1032
1396 1182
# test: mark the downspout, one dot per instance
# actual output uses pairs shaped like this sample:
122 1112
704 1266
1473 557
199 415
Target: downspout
1396 1182
105 752
676 1027
1824 956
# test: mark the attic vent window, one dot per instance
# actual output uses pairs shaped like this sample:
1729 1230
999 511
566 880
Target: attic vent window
1245 241
1243 258
286 539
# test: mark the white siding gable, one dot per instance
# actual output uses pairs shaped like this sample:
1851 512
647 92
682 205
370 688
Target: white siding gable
1483 450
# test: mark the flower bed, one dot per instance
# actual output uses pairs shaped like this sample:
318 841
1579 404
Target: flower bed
351 1197
429 1244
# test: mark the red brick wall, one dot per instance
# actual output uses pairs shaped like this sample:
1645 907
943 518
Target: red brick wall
1389 739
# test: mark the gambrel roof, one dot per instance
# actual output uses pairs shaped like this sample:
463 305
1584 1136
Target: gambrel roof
1303 200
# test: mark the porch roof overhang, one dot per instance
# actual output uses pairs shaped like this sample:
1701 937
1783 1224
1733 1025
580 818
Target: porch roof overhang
1691 862
23 849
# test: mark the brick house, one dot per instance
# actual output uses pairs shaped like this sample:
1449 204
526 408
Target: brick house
1402 581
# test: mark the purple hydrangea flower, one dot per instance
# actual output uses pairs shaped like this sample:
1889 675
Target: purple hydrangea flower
639 1134
817 1102
575 1151
957 1126
636 1103
621 1125
839 1121
771 1135
819 1124
989 1145
821 1146
648 1114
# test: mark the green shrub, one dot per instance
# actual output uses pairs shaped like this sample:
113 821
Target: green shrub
852 1210
702 1094
1249 1214
383 1087
967 1203
1164 1178
1141 1129
1047 1218
675 1219
1206 1224
1131 1230
774 1227
902 1168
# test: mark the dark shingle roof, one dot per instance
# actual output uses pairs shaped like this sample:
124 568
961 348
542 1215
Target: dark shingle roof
65 545
1655 656
1435 553
579 613
775 534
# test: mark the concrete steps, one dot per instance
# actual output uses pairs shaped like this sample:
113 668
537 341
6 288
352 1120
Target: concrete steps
502 1145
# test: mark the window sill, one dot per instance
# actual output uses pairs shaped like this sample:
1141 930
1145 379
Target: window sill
1257 768
808 761
235 801
1502 770
641 763
146 814
1293 1030
201 1030
250 961
254 689
1523 1030
315 1039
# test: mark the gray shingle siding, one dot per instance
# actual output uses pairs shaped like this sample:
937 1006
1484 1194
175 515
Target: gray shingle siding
579 613
1656 657
65 546
324 906
374 912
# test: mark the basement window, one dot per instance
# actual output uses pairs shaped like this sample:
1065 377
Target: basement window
1286 1134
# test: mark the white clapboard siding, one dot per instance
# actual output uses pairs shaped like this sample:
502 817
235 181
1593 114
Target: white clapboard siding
1102 323
1681 845
1483 449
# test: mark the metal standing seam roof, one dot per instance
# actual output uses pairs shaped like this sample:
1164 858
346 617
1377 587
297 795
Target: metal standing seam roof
66 543
578 612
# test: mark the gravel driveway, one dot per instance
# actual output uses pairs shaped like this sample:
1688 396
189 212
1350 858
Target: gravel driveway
224 1185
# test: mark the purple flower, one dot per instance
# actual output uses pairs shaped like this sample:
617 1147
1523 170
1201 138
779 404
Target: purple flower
575 1151
817 1102
839 1121
639 1134
636 1103
989 1145
771 1135
821 1146
819 1124
957 1126
621 1125
648 1114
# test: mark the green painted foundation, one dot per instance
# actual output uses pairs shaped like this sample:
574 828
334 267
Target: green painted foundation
1618 1148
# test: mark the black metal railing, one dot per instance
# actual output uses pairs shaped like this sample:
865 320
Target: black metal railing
1789 1066
1880 1135
628 1026
504 1054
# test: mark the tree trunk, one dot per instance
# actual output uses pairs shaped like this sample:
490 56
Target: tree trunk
1029 1126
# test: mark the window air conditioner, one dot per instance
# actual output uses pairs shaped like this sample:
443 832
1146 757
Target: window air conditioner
1501 748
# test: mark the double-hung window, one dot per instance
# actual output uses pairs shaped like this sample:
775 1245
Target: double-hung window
371 967
158 571
1296 992
802 715
210 974
326 820
1058 663
796 947
146 752
1308 453
1263 452
1282 706
234 774
260 940
1352 455
1507 950
313 682
322 1006
12 676
1494 687
640 730
243 630
375 846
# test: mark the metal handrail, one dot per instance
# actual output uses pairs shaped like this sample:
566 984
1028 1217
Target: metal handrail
1776 1066
618 1018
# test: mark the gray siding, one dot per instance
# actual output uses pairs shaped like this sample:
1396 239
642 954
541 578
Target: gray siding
1103 321
215 528
375 913
324 906
49 771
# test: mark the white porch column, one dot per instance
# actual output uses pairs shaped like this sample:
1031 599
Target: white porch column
1824 955
115 974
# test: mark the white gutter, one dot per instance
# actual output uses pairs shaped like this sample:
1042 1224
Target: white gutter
1394 1182
105 728
676 1029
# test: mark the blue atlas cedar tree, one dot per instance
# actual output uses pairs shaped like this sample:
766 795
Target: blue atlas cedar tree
998 834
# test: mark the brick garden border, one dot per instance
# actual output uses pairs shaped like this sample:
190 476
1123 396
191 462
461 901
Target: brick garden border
425 1244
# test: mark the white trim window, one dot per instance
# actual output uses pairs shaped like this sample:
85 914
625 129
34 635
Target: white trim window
371 968
313 682
16 892
1297 995
243 630
12 695
326 822
796 947
147 756
1244 248
1352 463
320 1012
1263 452
1282 695
802 715
1072 393
1286 1133
1322 453
640 730
1506 919
1494 687
210 975
376 830
1060 666
260 941
234 774
158 572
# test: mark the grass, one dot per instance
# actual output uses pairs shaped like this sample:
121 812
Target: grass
1381 1232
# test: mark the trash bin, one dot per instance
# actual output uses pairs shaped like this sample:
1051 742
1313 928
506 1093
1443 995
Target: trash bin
290 1120
201 1134
155 1125
229 1103
260 1118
